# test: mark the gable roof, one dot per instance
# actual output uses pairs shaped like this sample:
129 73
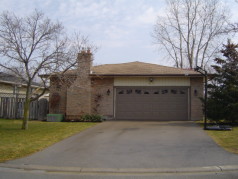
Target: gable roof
140 69
11 79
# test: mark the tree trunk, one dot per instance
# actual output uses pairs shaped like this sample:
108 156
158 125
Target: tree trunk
26 110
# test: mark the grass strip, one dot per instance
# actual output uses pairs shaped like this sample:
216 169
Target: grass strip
17 143
226 139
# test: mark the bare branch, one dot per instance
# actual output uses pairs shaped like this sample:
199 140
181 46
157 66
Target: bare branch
193 27
35 45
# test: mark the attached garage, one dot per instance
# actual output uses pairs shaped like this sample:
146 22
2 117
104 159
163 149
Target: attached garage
143 91
152 103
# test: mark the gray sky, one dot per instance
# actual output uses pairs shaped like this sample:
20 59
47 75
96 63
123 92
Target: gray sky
121 28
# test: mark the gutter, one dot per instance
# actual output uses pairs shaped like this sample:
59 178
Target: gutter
12 83
147 75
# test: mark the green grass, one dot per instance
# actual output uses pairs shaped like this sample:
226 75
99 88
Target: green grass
226 139
16 143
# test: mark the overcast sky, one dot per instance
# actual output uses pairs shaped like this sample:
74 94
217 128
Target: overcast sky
121 28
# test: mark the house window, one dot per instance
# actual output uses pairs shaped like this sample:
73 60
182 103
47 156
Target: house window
146 92
173 91
156 92
129 91
121 92
137 91
165 91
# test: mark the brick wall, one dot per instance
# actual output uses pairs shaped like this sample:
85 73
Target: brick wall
197 91
59 86
102 103
83 96
56 88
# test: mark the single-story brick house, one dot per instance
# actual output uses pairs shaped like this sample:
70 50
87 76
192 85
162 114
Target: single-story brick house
129 91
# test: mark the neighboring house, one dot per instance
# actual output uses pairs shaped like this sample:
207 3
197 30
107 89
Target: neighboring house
10 84
12 97
128 91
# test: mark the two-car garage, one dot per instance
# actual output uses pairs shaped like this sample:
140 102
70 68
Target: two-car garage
152 103
147 92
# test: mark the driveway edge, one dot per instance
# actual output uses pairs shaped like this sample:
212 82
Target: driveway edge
122 170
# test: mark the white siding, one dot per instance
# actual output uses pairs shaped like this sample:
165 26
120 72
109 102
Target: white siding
8 88
157 81
4 88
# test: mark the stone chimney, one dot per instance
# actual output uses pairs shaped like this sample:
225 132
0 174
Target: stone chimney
79 94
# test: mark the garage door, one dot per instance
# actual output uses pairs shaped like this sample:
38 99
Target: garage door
151 103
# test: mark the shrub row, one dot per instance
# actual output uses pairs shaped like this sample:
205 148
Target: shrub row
91 118
87 118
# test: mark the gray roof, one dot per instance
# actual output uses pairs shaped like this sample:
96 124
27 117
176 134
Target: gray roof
137 69
141 69
11 79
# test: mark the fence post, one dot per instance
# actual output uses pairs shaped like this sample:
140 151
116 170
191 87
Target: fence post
16 105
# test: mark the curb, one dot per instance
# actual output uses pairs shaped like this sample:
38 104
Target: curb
121 170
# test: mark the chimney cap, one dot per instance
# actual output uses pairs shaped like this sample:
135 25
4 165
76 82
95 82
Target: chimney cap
88 50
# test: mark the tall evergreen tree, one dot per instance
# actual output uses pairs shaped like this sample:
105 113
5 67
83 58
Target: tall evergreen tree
223 93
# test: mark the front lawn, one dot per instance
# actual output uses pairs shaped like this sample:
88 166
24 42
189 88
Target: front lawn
16 143
226 139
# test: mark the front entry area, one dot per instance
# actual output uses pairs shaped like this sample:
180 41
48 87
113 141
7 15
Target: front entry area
152 103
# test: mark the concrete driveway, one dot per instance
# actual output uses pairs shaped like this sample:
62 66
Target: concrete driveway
135 145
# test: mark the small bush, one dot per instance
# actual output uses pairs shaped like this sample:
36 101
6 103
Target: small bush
91 118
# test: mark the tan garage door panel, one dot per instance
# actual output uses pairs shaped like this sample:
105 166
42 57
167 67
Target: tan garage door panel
152 103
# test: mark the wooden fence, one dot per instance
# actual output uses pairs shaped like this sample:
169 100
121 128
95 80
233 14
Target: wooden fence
12 107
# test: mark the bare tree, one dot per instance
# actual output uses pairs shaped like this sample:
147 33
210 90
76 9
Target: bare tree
190 33
35 45
232 28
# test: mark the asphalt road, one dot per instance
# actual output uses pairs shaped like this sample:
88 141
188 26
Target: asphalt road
135 145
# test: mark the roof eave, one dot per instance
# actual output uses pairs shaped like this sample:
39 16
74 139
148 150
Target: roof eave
147 75
21 84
